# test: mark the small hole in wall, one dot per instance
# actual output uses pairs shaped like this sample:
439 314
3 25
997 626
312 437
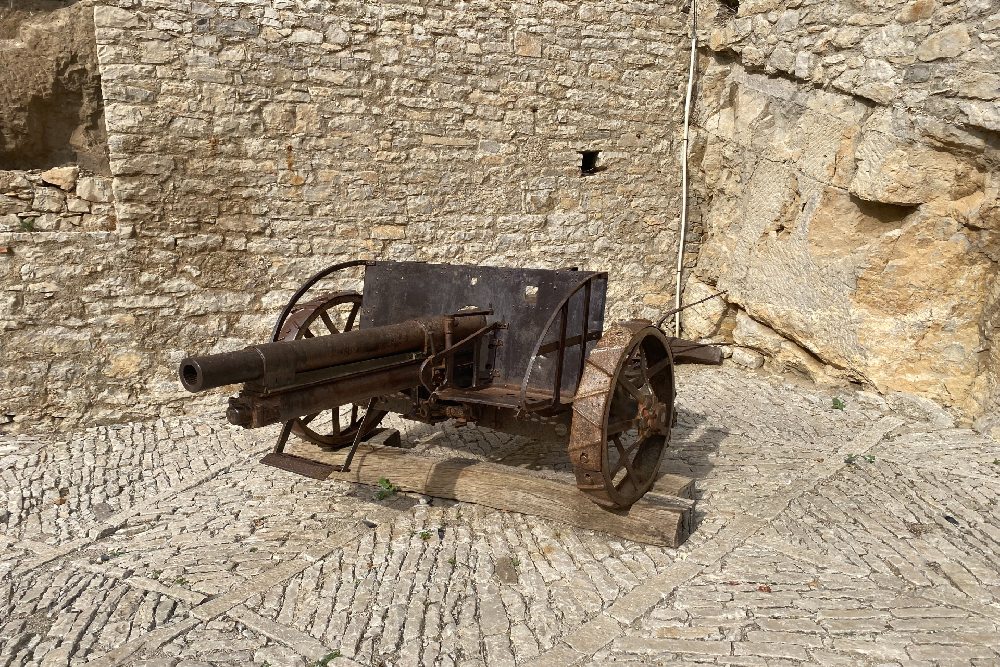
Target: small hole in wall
531 294
731 5
588 162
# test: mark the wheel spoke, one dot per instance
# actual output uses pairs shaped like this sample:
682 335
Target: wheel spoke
331 327
642 367
655 369
308 418
624 460
620 426
630 388
352 316
622 457
308 334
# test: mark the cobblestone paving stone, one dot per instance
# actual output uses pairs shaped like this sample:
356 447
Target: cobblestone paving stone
866 535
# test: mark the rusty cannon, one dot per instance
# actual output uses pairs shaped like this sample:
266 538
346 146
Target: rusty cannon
523 351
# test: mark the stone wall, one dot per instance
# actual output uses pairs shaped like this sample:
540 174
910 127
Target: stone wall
849 164
252 143
844 172
59 199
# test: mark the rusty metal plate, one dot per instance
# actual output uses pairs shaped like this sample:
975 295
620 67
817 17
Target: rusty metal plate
523 298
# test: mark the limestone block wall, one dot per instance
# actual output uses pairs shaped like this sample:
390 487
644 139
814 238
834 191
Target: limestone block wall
254 142
849 160
61 199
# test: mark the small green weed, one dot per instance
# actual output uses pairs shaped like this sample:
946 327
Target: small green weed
851 458
838 404
452 561
156 574
327 659
425 535
181 581
385 489
515 561
27 224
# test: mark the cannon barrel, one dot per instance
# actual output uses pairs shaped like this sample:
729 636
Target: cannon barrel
280 361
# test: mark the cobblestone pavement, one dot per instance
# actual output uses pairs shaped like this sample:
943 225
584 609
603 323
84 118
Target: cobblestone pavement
863 535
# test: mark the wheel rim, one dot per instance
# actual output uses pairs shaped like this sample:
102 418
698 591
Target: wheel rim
327 315
622 414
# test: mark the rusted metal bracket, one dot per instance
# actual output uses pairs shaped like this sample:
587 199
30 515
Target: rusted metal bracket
372 417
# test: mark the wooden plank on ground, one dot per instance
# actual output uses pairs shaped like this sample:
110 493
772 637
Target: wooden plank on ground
662 517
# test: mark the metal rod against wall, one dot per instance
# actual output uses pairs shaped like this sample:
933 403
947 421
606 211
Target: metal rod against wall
684 166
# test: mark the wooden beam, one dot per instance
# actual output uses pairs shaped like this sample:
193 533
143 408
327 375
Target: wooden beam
662 517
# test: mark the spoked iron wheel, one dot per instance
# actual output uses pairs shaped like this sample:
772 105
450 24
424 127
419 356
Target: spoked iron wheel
327 315
622 414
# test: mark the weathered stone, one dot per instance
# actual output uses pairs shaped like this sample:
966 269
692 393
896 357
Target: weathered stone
916 10
48 200
77 205
10 205
9 223
63 177
527 44
305 36
94 189
710 319
13 180
948 43
118 531
900 171
115 17
982 114
747 358
335 34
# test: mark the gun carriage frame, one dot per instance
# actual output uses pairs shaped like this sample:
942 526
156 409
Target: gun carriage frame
523 351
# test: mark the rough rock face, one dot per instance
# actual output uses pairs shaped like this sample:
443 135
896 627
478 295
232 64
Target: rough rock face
855 231
51 106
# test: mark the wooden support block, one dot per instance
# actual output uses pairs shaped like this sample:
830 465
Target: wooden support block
662 517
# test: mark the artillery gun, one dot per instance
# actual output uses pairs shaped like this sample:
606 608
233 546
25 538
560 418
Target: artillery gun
523 351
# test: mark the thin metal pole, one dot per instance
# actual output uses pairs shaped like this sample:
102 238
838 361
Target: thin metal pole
684 165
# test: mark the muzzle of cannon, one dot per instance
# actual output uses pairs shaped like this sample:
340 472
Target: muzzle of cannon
522 351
